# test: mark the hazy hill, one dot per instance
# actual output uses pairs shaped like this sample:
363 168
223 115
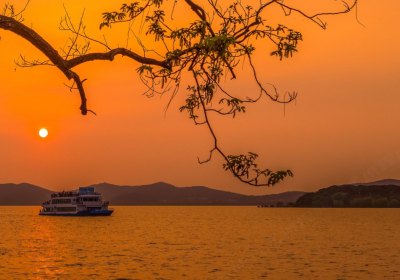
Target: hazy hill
23 194
385 182
166 194
374 194
154 194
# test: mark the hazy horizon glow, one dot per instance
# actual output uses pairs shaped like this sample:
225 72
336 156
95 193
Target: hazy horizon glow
344 127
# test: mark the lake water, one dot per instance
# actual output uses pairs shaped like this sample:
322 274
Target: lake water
202 243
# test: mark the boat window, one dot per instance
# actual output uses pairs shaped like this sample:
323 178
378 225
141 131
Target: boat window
61 201
66 209
90 199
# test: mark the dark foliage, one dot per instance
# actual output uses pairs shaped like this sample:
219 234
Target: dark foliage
353 196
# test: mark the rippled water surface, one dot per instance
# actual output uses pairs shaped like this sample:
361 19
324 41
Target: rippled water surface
201 243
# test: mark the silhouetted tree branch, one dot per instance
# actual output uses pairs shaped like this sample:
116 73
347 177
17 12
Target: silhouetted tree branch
110 56
13 25
210 47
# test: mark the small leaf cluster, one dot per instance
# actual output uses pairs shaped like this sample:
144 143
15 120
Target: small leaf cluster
185 36
235 104
127 12
156 25
242 165
287 44
191 103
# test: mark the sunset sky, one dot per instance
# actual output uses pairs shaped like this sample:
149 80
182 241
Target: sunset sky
344 127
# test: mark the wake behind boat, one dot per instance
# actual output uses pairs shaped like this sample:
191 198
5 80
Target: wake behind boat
85 202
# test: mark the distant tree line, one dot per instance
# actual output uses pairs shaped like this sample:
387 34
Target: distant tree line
353 196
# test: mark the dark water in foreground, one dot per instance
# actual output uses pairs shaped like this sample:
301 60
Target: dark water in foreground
202 243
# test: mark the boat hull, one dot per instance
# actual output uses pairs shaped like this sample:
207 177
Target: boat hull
81 213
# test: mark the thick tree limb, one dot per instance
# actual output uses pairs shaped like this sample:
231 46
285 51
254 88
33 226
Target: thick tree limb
16 27
111 55
35 39
197 9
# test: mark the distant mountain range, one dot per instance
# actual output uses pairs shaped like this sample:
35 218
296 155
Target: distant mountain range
23 194
166 194
154 194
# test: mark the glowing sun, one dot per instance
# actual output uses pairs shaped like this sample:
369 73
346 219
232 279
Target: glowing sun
43 133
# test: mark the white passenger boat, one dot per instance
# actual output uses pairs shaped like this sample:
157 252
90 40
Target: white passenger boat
85 202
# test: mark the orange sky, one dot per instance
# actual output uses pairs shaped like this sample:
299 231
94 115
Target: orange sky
344 128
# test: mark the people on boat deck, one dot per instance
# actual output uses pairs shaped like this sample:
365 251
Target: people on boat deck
64 194
67 194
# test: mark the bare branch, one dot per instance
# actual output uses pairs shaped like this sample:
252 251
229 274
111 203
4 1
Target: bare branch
315 17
